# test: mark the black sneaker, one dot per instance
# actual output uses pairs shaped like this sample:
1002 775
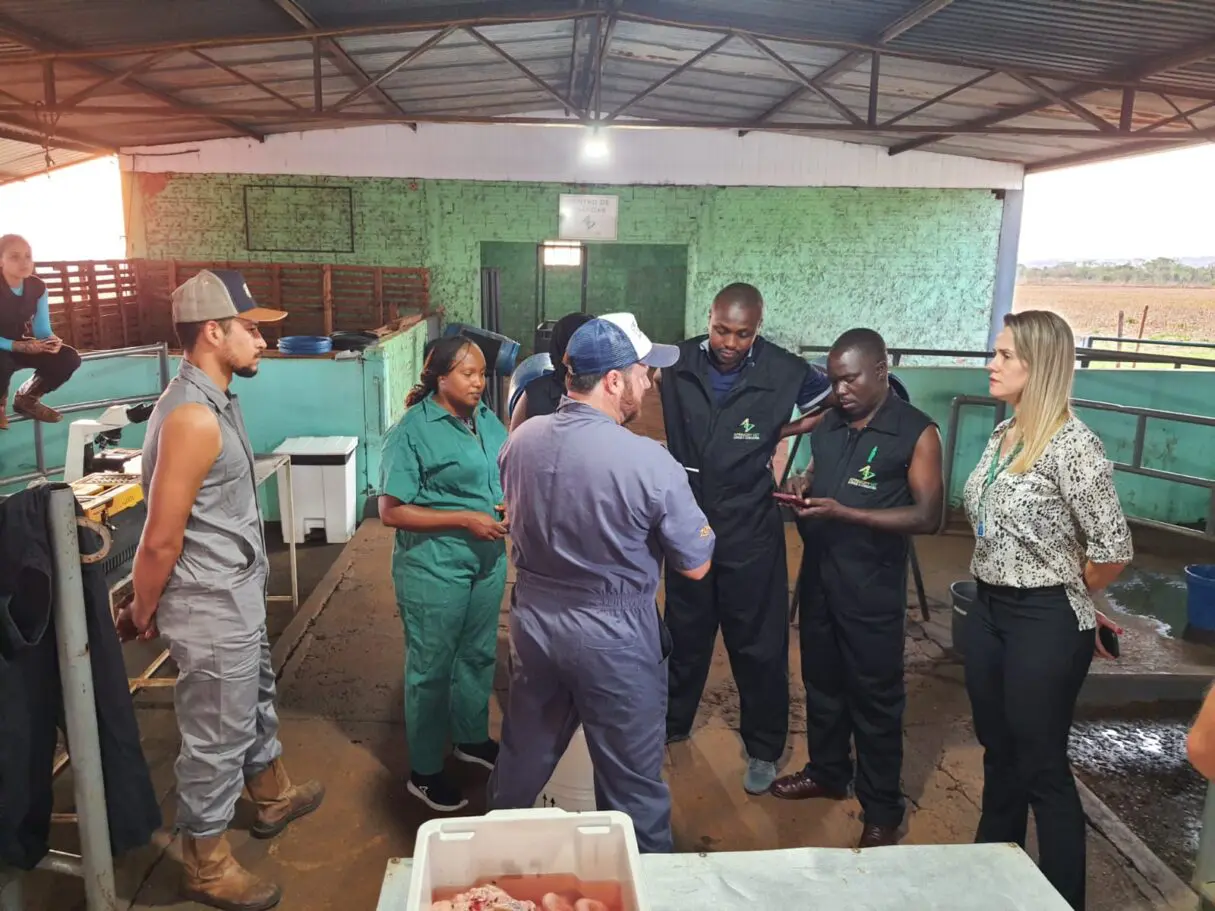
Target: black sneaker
436 792
482 754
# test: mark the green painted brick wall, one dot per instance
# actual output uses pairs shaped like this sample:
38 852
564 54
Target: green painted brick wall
918 265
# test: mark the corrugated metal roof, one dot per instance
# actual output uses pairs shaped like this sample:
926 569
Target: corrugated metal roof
22 159
223 67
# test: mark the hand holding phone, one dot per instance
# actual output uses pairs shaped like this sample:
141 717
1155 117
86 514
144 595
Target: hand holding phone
789 499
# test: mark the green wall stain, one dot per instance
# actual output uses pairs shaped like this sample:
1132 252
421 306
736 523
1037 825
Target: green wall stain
917 265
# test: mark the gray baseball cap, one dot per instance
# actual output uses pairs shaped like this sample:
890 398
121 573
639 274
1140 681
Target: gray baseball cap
219 294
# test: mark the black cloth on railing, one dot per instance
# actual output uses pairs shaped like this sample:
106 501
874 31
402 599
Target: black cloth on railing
31 696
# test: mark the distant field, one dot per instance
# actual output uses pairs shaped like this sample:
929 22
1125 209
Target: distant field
1184 314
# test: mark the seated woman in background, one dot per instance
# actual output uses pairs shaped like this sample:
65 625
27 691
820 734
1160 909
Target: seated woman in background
442 493
25 312
1049 533
543 394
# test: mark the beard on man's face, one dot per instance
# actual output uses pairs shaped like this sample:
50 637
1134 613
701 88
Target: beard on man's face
630 405
246 373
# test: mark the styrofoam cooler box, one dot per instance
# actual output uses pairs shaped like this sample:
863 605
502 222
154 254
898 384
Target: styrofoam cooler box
594 847
322 473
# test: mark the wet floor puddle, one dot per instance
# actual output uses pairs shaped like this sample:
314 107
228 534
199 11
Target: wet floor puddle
1138 767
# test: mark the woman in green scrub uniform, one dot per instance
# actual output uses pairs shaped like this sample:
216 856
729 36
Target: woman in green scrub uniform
442 494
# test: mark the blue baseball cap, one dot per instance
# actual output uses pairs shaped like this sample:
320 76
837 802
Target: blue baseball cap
612 342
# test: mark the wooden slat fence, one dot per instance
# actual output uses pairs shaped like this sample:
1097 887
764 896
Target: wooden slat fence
118 303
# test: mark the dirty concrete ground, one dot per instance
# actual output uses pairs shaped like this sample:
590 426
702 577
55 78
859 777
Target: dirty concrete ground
340 698
341 706
1134 759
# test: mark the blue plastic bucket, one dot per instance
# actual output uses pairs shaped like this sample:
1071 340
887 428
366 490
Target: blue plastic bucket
1200 595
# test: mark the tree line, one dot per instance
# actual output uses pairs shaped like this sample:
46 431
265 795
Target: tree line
1153 272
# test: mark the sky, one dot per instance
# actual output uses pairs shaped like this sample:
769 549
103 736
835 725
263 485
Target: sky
71 214
1138 208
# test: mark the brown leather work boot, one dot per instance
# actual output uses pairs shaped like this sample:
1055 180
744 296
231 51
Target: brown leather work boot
213 877
279 801
3 415
29 402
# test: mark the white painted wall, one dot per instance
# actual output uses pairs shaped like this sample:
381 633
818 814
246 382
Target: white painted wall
548 153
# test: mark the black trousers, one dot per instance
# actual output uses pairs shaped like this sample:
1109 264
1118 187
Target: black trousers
748 601
853 626
52 369
1026 659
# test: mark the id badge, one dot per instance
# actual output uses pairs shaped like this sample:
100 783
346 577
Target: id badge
981 529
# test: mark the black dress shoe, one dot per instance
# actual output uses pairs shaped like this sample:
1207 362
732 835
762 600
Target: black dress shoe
802 787
879 837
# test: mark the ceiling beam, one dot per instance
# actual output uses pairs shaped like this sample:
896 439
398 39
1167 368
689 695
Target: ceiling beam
861 128
10 178
396 27
673 74
516 16
1191 53
40 43
539 83
590 80
1126 150
1180 115
337 54
853 59
937 99
1074 107
249 80
37 129
842 109
395 67
113 79
17 135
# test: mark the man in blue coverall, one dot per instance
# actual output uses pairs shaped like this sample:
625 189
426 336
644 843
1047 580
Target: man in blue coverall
594 510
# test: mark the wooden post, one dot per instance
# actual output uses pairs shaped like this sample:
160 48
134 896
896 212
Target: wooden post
68 307
98 333
379 293
327 297
1142 324
172 274
1121 324
122 304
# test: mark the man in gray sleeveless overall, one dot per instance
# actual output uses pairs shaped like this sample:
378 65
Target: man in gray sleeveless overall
200 577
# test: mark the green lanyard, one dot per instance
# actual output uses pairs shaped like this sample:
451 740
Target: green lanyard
994 469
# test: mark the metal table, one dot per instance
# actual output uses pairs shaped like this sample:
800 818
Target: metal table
902 878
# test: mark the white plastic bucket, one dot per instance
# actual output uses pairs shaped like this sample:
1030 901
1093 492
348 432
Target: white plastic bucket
572 787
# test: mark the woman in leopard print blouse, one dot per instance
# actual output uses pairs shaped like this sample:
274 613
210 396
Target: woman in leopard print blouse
1049 532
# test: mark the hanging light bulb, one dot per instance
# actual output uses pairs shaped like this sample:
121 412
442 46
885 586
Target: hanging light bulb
595 146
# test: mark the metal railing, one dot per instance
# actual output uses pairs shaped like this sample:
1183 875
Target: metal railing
1135 466
41 470
1085 356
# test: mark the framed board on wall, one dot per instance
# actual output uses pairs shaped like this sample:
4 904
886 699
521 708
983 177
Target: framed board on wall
587 217
299 219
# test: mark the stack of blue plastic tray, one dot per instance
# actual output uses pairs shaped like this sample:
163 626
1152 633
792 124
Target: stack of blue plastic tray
305 344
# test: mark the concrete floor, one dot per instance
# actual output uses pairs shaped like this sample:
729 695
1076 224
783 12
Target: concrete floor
341 705
340 698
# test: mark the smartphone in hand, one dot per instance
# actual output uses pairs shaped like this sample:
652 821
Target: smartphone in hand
788 499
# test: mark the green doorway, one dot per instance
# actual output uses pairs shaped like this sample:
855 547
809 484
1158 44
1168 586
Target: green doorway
540 282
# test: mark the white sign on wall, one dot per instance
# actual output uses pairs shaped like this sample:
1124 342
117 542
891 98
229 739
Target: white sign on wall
587 217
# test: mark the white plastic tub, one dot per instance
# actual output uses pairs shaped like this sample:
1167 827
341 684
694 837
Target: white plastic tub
572 786
595 847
